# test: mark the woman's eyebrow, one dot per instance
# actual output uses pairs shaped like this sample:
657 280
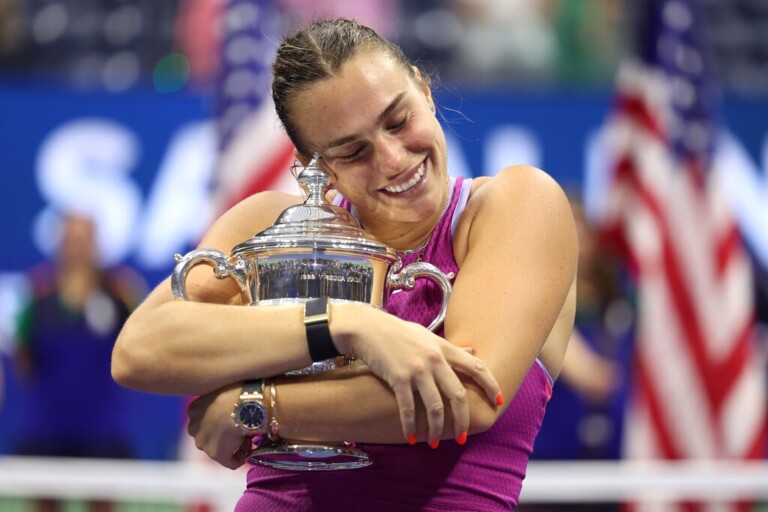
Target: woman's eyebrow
392 106
384 114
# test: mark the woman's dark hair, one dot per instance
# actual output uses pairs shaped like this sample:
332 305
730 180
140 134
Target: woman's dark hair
316 52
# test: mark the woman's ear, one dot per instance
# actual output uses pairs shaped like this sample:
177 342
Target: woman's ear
304 160
423 87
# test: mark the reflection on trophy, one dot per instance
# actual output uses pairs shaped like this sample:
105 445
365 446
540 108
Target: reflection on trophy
313 250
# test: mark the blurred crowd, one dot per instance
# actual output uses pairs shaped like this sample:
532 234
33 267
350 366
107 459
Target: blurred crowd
121 44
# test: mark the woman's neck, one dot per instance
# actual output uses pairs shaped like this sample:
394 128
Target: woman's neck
408 237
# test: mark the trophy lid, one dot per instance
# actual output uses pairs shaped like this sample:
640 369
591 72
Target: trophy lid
315 225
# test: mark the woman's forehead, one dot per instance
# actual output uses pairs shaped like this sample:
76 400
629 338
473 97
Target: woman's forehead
362 90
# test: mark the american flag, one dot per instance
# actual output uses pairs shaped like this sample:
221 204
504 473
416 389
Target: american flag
698 386
255 152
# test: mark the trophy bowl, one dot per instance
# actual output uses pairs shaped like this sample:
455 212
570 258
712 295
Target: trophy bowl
313 250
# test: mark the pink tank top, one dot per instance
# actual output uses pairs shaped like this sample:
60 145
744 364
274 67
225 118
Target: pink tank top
485 474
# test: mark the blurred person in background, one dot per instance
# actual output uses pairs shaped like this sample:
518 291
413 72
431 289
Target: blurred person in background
584 55
65 337
761 317
585 415
10 27
380 15
504 40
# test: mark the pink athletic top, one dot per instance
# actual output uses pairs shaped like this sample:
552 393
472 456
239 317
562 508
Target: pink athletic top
485 474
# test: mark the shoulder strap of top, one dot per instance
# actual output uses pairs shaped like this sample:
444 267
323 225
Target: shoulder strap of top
466 187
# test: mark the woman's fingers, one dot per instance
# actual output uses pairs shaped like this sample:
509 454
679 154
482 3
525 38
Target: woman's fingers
435 408
411 359
407 408
435 384
439 385
214 431
473 367
237 459
454 391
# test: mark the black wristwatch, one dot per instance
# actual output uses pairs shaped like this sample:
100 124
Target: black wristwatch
250 413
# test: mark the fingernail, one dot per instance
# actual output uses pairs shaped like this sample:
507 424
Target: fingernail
462 438
499 399
411 439
434 444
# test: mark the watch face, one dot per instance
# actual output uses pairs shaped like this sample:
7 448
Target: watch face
251 415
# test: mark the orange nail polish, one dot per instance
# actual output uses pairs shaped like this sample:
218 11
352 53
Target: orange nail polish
462 438
499 399
434 444
411 439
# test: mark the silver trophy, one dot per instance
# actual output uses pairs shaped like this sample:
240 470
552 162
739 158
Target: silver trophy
313 250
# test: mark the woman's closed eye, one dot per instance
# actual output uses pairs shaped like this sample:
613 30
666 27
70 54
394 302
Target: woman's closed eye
348 157
399 124
354 153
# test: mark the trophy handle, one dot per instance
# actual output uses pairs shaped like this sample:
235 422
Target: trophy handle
222 268
407 279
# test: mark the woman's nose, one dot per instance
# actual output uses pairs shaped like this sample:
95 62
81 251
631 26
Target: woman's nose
390 155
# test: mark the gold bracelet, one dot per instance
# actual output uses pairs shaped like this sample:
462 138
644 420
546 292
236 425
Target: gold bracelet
273 429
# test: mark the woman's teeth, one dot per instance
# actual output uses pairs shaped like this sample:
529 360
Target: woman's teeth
409 184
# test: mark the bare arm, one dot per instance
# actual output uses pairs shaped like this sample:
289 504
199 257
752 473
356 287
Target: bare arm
171 346
515 295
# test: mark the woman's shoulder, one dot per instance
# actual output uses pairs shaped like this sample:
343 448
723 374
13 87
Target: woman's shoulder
265 202
250 216
519 194
515 188
517 180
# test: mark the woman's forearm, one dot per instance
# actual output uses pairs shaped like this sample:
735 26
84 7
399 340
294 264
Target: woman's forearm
190 348
354 405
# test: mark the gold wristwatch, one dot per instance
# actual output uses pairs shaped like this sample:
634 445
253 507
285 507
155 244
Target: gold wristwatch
250 413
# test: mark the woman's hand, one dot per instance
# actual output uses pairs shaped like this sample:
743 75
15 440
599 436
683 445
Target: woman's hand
214 431
409 357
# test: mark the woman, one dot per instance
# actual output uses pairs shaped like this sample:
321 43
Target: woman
346 93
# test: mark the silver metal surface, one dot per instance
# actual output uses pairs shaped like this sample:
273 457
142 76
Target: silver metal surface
223 267
305 456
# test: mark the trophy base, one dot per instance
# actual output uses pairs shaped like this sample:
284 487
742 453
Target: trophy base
297 456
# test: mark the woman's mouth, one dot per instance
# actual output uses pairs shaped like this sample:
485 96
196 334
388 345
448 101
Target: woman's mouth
399 189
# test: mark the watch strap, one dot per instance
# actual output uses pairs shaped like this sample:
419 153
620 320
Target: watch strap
319 340
316 310
252 389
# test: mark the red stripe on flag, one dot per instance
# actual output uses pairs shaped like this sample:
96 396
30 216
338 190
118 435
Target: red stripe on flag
756 450
728 247
727 374
635 109
647 391
265 174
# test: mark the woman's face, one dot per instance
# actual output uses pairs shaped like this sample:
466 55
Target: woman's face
380 140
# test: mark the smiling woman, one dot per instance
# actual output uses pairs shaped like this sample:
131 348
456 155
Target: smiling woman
382 136
344 92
